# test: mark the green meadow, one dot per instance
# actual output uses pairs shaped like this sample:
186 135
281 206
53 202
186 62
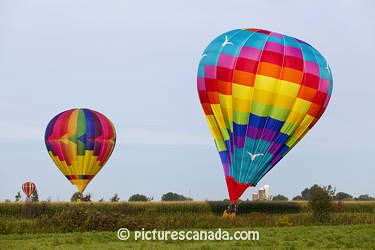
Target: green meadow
293 237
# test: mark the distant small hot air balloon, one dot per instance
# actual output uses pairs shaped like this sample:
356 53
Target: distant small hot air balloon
261 92
80 141
28 188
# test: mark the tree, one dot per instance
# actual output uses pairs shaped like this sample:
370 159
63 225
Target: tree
343 196
280 197
18 196
115 198
330 190
320 203
77 196
139 197
174 197
307 191
364 197
86 197
35 196
297 198
305 194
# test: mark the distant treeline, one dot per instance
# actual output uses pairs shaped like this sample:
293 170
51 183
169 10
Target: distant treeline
170 196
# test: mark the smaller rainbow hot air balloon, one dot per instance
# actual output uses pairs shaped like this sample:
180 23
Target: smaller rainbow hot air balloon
28 188
80 142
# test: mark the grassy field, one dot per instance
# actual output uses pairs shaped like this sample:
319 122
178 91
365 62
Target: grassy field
93 225
298 237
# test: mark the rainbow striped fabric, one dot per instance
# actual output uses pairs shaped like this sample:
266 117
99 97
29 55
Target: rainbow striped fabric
80 141
28 188
261 92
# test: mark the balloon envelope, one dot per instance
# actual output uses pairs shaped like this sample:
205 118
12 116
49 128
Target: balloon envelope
261 92
28 188
80 141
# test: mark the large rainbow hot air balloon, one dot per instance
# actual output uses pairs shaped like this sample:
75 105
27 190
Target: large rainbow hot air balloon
80 141
28 188
261 92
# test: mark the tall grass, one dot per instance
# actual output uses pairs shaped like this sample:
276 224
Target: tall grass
34 210
72 217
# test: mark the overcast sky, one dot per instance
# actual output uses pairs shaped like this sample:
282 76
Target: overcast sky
136 62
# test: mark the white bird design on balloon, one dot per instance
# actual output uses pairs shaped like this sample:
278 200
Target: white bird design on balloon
226 42
253 156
